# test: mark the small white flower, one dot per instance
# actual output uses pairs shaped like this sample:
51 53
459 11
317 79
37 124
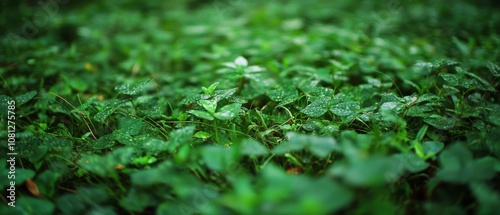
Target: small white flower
241 61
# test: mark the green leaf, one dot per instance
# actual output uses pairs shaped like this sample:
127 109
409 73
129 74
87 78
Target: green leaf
458 166
104 142
428 97
369 171
228 112
284 95
22 175
154 146
287 146
120 136
38 153
219 158
131 126
307 196
440 122
47 182
202 135
432 147
98 210
419 111
494 69
70 204
78 85
201 114
136 200
244 198
449 91
443 208
102 115
209 105
485 84
319 146
494 114
419 149
23 98
421 133
144 161
411 162
444 63
487 197
295 142
322 191
109 108
252 147
29 205
223 94
451 79
391 106
345 108
133 89
317 108
154 176
322 146
104 166
4 103
180 137
81 200
299 194
210 89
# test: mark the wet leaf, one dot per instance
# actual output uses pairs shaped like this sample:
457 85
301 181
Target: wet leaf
284 95
419 111
494 69
104 142
131 126
317 108
108 108
228 112
26 97
201 114
180 137
391 106
209 105
345 108
153 145
223 94
132 89
440 122
451 79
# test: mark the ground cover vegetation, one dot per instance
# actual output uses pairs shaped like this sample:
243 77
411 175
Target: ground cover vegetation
251 107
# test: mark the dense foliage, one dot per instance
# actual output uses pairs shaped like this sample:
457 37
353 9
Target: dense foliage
251 107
